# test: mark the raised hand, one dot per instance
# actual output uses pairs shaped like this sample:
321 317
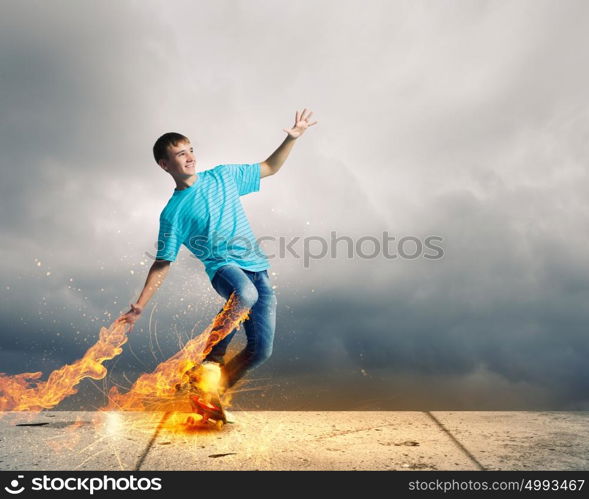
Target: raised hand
301 124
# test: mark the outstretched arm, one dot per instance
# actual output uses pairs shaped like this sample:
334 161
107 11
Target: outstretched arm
157 273
278 157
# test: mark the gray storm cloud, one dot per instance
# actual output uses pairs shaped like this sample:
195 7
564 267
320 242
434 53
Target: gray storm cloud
467 121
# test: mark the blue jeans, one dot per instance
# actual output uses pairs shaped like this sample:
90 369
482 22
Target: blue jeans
253 291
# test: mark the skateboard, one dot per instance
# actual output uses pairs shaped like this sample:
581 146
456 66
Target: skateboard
201 386
211 411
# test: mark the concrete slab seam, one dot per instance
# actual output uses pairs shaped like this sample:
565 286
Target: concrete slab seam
152 441
456 442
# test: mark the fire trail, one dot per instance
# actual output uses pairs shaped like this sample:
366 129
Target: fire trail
151 391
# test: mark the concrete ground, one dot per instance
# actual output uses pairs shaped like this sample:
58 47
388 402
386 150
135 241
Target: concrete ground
296 441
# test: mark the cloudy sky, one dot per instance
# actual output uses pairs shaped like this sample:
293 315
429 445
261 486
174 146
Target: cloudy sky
464 120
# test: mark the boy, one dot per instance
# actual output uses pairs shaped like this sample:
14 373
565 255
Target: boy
206 215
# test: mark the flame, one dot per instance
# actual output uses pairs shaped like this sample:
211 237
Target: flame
22 392
165 388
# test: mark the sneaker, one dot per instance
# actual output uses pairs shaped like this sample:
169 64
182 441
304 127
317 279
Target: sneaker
215 367
209 377
211 363
229 417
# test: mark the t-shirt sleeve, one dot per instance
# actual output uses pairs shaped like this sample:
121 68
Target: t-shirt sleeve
168 242
247 177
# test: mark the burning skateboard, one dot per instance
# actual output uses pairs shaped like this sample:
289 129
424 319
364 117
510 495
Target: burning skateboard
210 411
202 388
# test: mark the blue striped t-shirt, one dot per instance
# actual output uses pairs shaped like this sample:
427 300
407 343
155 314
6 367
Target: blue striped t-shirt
209 220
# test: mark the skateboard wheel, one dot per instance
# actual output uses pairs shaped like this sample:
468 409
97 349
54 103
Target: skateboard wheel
219 425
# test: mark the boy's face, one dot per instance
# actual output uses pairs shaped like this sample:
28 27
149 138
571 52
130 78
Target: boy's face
181 162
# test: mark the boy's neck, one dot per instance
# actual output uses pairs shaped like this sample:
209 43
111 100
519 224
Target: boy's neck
185 183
